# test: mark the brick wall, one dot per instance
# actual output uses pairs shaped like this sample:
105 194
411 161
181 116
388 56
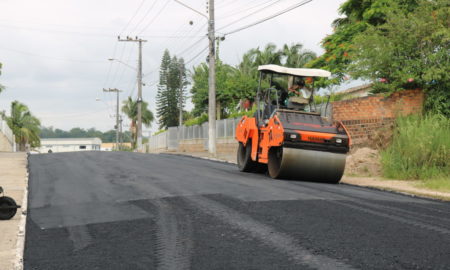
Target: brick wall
370 120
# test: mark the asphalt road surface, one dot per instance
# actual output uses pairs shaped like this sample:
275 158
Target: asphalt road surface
118 210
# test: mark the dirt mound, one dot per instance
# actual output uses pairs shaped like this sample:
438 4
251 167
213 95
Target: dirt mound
363 162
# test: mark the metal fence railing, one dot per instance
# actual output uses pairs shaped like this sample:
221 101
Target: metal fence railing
170 139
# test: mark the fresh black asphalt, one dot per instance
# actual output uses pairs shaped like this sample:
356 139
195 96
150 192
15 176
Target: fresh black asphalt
119 210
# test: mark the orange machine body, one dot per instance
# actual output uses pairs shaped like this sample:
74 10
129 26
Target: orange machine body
293 130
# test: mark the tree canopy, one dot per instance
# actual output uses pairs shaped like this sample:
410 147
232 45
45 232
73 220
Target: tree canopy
241 82
24 125
130 108
171 88
107 136
357 16
408 51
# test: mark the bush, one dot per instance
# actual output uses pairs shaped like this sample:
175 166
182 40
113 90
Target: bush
159 132
197 120
239 114
318 99
420 148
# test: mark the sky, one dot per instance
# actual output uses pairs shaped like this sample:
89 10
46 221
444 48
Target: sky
55 53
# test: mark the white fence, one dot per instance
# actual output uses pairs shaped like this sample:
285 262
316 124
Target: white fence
170 139
7 132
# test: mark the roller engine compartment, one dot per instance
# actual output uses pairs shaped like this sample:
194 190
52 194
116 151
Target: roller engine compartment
312 132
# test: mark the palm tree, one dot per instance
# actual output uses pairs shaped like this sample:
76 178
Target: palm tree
270 55
295 57
130 108
24 125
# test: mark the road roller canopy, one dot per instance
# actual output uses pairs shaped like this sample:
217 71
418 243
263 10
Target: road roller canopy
300 72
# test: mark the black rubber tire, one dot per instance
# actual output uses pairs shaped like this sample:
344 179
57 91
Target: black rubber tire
9 212
244 160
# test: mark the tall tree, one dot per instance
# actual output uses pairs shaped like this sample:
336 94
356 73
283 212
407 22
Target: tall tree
357 16
130 108
24 125
295 56
409 51
172 76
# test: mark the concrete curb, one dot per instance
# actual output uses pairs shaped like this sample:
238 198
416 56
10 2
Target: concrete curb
20 246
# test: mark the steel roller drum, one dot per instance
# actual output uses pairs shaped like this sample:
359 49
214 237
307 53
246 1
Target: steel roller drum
307 165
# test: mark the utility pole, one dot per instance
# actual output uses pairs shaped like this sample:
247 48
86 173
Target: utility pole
117 113
139 78
180 117
120 133
212 83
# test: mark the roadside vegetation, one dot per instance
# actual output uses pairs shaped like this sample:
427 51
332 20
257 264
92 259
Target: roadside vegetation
24 125
130 108
420 150
77 132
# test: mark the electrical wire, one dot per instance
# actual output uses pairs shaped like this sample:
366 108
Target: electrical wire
134 15
145 16
269 17
241 10
197 55
248 15
155 17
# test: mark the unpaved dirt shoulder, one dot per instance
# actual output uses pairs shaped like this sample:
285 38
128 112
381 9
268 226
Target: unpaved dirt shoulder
402 186
14 180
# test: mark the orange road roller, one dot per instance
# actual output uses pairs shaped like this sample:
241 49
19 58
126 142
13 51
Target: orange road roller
286 137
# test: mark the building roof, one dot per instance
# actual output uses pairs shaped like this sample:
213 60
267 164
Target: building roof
304 72
356 88
70 141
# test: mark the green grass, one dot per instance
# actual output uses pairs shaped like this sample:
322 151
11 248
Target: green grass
441 184
420 150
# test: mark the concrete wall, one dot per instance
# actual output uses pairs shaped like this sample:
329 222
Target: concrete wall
7 140
370 120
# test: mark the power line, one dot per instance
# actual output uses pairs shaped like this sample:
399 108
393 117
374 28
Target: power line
134 15
197 55
253 13
241 10
145 16
268 18
154 18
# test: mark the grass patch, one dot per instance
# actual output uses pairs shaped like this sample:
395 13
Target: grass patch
441 184
420 150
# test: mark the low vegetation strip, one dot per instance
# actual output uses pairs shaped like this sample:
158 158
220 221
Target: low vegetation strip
420 150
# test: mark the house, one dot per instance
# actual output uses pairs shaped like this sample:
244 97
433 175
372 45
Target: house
54 145
356 92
